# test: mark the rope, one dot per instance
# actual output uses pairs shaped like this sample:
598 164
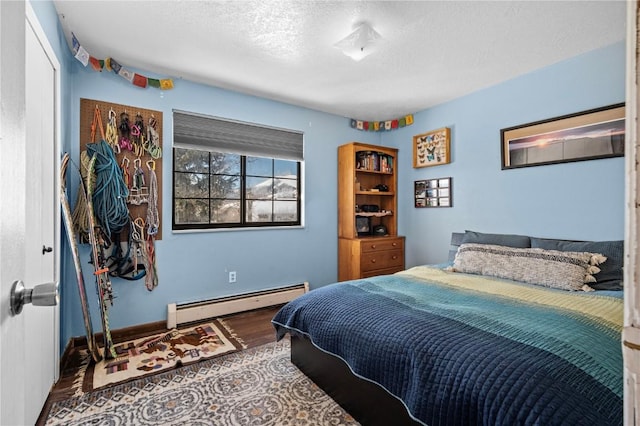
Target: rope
110 194
153 219
153 223
151 278
80 216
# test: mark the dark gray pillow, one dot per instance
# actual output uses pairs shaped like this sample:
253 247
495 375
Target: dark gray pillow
517 241
610 275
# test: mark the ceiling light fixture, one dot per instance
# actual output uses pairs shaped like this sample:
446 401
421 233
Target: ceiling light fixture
359 43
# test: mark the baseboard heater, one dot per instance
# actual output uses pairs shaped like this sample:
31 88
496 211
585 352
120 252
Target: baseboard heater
181 313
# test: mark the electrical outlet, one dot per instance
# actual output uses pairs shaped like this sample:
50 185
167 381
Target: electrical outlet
232 276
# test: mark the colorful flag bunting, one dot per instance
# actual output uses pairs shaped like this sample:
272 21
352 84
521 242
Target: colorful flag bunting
126 74
379 126
166 84
140 80
82 56
95 63
75 43
111 64
115 66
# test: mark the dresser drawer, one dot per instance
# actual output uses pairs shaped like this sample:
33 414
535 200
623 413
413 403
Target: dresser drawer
388 271
382 259
386 244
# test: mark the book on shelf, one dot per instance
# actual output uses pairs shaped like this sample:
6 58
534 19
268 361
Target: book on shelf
374 161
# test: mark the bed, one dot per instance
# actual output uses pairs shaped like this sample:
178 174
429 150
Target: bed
434 345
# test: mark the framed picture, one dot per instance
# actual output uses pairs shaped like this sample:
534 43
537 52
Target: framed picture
432 148
363 226
433 193
420 189
587 135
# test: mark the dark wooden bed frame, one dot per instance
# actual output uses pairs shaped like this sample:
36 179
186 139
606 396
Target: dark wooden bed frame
365 401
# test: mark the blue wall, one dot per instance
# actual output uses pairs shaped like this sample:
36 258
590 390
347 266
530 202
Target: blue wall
581 200
194 266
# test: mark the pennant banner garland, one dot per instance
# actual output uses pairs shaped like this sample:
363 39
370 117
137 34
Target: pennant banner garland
111 64
381 126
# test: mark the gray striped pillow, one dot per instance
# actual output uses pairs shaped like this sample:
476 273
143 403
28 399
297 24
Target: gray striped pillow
550 268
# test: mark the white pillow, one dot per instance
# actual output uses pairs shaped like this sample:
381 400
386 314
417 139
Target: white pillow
564 270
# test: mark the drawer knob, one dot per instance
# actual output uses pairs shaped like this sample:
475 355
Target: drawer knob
395 257
373 246
373 261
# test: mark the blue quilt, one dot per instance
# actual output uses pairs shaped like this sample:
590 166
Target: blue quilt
462 349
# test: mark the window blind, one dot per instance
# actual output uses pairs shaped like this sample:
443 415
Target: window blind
201 132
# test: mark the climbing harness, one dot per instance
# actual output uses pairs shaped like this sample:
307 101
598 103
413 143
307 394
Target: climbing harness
121 264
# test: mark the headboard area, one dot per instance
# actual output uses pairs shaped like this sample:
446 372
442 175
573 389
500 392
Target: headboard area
609 278
456 240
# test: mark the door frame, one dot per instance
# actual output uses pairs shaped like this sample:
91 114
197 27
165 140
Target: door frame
631 328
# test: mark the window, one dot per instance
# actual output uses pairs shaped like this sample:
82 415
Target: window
230 180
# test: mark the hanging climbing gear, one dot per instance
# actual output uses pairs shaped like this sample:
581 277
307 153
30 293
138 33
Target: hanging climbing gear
153 219
111 136
153 139
110 196
150 279
137 136
126 177
97 122
125 132
121 263
153 224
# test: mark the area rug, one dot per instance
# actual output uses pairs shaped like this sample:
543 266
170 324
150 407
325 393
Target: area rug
150 355
257 386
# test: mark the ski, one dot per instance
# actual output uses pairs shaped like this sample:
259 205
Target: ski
73 243
101 271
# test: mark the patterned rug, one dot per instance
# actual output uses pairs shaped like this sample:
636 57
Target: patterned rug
257 386
163 351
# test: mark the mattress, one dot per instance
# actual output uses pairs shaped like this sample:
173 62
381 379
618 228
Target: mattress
461 349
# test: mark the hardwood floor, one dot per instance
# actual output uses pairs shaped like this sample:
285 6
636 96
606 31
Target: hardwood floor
253 327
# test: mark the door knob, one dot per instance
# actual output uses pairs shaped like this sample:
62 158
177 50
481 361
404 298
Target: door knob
41 295
46 249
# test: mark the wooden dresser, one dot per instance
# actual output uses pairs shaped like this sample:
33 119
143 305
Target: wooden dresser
367 257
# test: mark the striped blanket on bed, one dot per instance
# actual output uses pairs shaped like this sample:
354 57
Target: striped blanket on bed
463 349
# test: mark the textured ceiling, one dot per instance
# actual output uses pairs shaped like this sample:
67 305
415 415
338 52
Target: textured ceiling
430 51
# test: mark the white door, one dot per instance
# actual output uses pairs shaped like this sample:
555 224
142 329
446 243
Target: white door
42 250
30 213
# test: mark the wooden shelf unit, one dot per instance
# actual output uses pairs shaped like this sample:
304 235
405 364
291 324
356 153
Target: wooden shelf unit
362 167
